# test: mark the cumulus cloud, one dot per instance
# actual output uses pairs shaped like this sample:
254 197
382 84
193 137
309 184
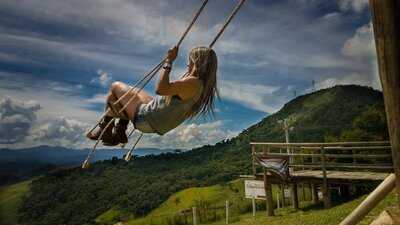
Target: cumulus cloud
104 78
355 5
362 45
59 132
255 96
16 119
190 135
20 126
360 50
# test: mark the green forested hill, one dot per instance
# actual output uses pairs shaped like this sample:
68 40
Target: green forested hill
78 196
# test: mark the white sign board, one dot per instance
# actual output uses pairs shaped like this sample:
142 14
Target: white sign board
287 193
320 195
254 189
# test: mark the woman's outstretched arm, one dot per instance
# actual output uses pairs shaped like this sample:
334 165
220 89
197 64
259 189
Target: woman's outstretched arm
185 87
164 85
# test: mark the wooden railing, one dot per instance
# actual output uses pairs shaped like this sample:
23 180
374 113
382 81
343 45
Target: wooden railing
338 156
329 156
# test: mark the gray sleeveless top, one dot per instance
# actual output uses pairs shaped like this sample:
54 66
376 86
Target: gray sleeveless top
163 116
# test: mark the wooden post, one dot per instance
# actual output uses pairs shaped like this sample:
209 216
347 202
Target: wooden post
314 193
278 205
227 212
371 201
295 197
194 216
283 195
253 154
386 23
253 203
325 185
268 192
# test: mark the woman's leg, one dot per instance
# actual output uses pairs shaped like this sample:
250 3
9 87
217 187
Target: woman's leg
110 101
118 89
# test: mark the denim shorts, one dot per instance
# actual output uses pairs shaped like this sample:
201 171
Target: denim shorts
140 122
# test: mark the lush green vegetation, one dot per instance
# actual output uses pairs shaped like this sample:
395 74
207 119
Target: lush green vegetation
208 198
74 196
209 203
10 200
314 215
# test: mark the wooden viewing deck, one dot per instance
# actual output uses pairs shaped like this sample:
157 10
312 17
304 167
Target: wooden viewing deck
313 176
323 166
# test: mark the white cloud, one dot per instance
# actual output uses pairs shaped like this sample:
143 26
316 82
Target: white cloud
60 131
355 5
360 50
187 136
56 100
103 79
20 127
255 96
331 16
362 45
70 51
16 119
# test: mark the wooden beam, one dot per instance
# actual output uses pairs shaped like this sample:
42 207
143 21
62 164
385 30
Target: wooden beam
364 143
370 202
386 23
314 193
295 197
325 185
335 155
268 192
268 195
253 159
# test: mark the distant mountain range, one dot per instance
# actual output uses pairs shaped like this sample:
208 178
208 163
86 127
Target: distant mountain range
18 164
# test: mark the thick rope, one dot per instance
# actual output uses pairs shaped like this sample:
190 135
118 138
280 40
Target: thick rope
128 155
160 64
179 42
129 135
152 71
235 10
137 92
155 70
227 22
151 74
86 162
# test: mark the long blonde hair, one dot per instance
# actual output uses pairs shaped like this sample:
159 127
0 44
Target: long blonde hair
205 63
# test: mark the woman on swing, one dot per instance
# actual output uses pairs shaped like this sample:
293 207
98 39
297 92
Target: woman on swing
193 94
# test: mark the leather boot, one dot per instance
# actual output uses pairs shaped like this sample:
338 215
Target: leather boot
120 131
108 134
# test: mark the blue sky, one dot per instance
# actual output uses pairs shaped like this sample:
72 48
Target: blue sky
58 58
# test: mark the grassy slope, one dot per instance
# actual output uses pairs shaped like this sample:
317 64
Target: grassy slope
10 199
314 216
307 215
183 200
